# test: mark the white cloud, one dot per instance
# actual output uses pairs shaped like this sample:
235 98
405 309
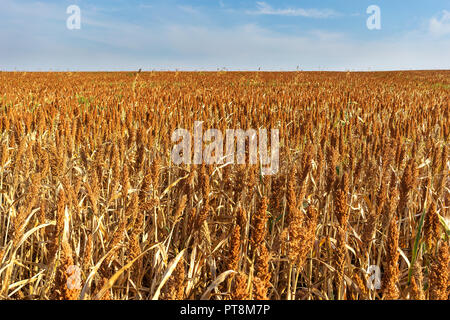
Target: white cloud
145 6
266 9
188 9
110 43
440 26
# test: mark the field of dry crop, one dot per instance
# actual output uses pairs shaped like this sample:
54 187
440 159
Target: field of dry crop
92 207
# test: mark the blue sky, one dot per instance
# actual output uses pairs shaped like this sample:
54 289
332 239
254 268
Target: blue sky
231 34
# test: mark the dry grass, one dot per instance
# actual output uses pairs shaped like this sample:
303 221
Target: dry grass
86 179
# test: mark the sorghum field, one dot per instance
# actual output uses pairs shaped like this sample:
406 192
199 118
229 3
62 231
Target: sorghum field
92 207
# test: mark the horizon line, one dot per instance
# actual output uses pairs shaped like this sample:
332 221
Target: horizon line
219 70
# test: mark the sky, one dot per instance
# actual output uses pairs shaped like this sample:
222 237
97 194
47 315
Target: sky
226 34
